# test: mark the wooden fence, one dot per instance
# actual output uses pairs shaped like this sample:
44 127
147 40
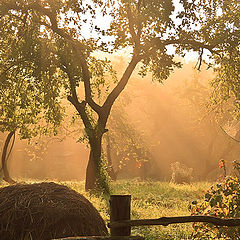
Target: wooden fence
120 223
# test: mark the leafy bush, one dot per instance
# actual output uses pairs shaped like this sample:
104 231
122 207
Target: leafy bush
221 200
181 173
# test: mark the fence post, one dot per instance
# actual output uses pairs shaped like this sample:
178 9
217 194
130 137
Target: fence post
120 209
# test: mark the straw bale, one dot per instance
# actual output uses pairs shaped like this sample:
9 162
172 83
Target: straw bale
47 210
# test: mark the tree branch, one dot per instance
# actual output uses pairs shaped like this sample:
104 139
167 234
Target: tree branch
11 66
192 43
78 46
80 107
66 69
135 36
200 60
121 85
234 139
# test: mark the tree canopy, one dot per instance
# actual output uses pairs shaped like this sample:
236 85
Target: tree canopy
47 48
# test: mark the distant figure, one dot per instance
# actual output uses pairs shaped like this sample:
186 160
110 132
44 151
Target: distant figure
181 173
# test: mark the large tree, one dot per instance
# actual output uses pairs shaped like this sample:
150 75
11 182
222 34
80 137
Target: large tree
46 36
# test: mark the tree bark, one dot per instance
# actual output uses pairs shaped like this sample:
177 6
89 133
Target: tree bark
95 179
5 156
91 173
111 172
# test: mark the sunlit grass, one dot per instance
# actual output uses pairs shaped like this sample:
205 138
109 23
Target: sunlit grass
150 200
158 199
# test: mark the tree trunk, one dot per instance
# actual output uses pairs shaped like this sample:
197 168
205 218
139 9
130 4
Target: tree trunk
111 172
96 179
91 173
5 157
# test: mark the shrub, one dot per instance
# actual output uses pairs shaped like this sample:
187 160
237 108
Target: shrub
181 173
221 200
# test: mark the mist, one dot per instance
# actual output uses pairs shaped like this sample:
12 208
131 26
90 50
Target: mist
172 120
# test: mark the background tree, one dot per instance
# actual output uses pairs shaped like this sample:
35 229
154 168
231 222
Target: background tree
126 149
56 50
208 122
222 30
25 108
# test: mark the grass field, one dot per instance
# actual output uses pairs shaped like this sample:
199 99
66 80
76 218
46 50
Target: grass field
152 200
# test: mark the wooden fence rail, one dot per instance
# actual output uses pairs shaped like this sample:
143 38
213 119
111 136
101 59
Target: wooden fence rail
165 221
120 223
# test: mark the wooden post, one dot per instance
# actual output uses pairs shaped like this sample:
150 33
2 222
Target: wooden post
120 209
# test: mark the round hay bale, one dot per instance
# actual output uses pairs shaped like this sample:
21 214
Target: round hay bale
45 211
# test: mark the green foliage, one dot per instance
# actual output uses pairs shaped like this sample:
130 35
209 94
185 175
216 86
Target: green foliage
43 60
141 25
222 29
221 200
25 104
103 180
103 75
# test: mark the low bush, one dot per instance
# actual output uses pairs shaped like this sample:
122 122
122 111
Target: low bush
221 200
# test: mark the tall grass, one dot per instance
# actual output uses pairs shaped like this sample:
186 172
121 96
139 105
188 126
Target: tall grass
158 199
153 200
